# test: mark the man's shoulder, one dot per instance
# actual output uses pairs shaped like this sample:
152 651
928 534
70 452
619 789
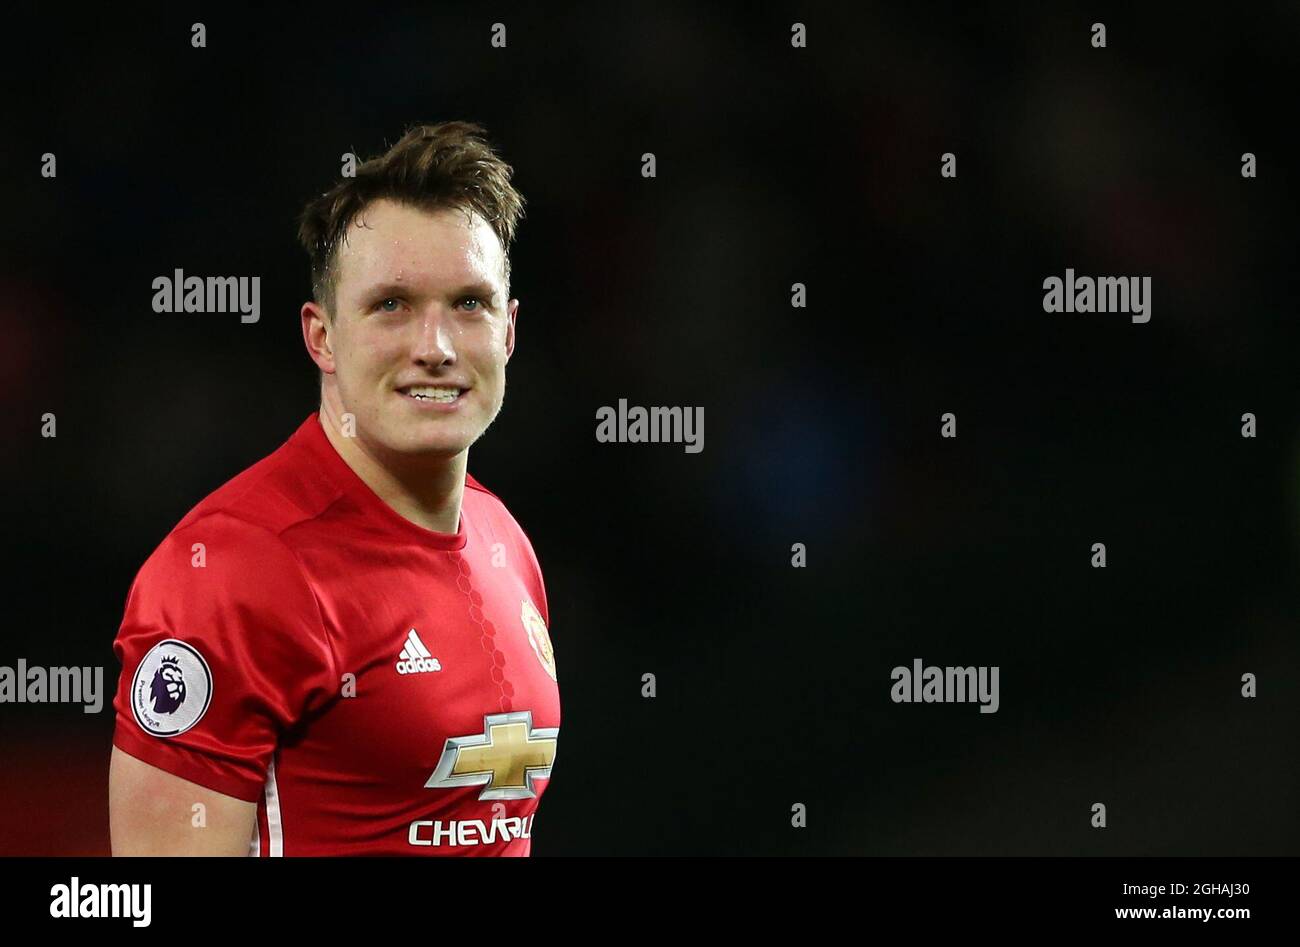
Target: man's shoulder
483 503
282 490
238 531
472 484
503 526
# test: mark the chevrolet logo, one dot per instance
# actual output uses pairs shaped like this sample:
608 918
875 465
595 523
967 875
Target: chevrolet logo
506 757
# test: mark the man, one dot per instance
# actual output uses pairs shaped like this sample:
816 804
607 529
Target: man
344 649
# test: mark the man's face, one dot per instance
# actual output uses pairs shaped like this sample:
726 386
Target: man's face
421 330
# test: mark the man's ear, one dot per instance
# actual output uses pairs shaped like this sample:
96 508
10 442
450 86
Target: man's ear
512 312
316 336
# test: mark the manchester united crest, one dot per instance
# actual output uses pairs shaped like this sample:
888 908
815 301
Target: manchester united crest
538 636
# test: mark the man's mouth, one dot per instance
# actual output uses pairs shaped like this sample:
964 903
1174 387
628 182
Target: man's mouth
440 394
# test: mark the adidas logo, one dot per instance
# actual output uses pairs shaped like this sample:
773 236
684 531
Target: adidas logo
415 657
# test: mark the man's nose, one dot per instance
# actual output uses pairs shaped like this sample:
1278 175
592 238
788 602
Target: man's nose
433 343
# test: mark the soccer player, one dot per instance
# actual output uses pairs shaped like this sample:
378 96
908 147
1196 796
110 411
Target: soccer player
344 649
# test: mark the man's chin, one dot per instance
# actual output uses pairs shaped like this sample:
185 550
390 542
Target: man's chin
428 440
430 448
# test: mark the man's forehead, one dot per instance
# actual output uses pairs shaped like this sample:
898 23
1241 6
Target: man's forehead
391 241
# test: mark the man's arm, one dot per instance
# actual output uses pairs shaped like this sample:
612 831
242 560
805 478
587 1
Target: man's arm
151 812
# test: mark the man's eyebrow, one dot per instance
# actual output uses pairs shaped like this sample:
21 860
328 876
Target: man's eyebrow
486 290
388 288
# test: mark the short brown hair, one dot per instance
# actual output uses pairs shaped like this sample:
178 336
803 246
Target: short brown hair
447 165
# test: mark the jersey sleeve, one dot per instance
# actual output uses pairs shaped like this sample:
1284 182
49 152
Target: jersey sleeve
223 650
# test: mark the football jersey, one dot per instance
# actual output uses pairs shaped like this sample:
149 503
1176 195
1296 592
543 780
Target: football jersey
376 687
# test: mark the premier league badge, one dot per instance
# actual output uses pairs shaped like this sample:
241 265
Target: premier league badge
172 689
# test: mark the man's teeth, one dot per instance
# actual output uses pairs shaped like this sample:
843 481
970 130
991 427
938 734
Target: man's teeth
445 395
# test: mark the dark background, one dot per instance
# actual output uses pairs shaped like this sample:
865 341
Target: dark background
775 165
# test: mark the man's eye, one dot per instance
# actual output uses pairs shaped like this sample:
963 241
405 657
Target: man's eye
473 299
383 304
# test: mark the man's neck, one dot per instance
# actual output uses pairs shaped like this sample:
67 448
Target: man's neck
428 495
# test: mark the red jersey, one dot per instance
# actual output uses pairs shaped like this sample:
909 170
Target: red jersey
376 687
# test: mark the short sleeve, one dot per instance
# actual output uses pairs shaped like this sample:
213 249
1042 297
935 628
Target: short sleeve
223 650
